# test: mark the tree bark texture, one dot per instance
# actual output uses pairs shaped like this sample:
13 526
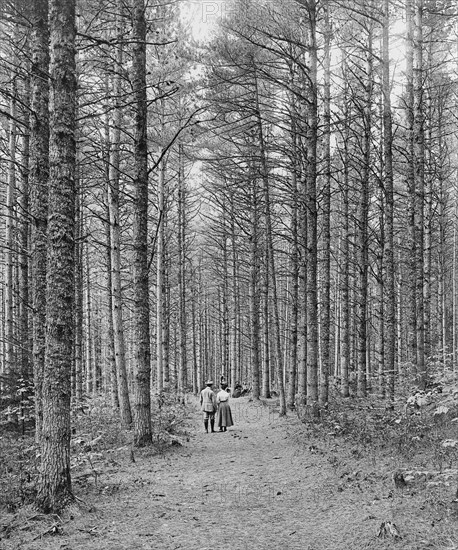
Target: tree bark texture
54 487
142 400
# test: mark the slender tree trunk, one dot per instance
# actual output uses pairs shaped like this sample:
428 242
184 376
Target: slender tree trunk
225 298
326 229
419 175
10 242
160 280
442 321
23 226
195 377
54 486
429 179
293 357
362 217
345 243
412 261
380 343
399 309
235 297
345 272
454 312
266 378
254 288
166 310
182 370
142 400
96 348
390 290
111 359
115 236
79 293
311 205
89 330
301 395
271 258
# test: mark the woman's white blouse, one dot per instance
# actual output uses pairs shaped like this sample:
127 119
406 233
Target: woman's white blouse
222 396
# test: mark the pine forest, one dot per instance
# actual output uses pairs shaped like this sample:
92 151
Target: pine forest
258 195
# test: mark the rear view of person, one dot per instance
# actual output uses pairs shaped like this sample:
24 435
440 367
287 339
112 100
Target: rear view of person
208 405
224 410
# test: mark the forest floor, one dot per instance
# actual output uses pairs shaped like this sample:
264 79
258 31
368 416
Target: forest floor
266 483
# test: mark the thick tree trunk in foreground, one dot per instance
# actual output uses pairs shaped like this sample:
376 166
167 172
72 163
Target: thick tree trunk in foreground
54 487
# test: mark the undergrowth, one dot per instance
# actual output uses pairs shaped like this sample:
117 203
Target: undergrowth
417 426
407 454
97 445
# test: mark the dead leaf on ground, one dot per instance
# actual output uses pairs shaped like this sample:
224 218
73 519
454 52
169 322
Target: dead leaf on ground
388 529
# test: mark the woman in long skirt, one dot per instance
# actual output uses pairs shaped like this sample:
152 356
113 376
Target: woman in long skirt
224 417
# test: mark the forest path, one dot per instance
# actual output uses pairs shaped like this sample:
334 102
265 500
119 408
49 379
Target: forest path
251 487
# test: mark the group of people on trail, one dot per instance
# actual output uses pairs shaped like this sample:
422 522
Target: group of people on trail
218 405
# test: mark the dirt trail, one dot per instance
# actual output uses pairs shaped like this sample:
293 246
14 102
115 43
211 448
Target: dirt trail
247 488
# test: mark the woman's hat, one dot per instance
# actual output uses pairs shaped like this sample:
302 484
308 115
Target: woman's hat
209 383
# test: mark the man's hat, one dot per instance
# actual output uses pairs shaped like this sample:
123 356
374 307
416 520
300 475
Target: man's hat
209 383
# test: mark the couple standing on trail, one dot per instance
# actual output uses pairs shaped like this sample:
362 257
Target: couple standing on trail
219 404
